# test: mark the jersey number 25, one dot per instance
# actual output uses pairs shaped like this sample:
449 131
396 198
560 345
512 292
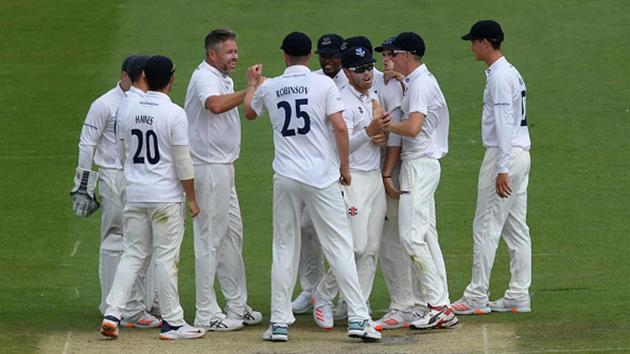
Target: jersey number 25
286 106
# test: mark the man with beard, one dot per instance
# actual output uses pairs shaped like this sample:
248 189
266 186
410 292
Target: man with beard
215 139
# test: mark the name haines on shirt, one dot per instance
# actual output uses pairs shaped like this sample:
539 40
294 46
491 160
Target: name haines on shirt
423 94
214 138
149 128
504 117
358 115
299 103
99 128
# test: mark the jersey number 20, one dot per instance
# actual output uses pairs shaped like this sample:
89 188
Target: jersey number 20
286 106
152 153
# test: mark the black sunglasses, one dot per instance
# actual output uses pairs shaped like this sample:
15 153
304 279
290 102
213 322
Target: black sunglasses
361 69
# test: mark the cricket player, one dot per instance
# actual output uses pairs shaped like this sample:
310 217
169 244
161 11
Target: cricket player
153 148
311 269
424 131
97 146
503 179
365 198
215 139
399 273
304 108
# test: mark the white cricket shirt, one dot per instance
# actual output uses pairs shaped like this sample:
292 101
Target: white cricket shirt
214 138
299 103
364 156
423 94
98 128
341 80
504 117
149 128
377 81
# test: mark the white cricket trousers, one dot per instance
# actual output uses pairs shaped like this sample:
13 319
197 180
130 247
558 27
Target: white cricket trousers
311 268
111 192
328 213
496 217
365 205
419 179
159 230
399 273
218 234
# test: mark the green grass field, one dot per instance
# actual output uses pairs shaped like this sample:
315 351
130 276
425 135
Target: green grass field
57 56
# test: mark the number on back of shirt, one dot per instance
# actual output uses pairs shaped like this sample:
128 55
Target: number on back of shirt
299 113
147 146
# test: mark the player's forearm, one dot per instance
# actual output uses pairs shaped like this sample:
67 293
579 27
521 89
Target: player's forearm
86 156
410 127
247 102
342 141
189 189
223 103
392 156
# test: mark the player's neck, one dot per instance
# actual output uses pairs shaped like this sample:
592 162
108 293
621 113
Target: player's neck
361 90
492 57
332 76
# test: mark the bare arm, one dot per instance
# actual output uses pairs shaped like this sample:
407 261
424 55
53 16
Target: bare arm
342 141
391 159
410 127
223 103
189 188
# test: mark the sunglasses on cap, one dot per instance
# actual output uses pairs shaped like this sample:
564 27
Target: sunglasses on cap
396 52
361 69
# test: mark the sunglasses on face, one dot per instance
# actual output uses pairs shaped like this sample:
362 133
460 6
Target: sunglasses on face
396 52
363 68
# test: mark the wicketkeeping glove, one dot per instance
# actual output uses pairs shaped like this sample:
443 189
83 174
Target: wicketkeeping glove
84 201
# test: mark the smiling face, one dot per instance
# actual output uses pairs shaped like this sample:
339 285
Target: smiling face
329 65
224 57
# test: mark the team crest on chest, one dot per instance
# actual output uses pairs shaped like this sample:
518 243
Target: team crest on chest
353 211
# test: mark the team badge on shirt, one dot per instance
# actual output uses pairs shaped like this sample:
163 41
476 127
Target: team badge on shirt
353 211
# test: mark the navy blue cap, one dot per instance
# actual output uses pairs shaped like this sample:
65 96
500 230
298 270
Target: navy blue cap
485 29
329 44
410 42
296 44
355 57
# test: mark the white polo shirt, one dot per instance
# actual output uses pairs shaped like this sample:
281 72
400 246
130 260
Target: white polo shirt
423 94
364 156
504 117
390 96
378 82
299 103
98 128
150 128
341 80
214 138
132 95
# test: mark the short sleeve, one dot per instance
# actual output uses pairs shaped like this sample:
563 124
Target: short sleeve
207 85
258 101
180 129
419 96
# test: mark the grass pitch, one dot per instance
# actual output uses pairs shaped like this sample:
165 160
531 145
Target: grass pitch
59 56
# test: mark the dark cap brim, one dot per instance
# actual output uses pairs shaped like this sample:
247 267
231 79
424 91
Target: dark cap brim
467 37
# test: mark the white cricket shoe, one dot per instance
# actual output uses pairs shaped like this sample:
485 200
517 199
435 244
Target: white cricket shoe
466 306
302 303
251 317
185 331
510 305
340 311
394 319
141 320
436 317
322 312
277 332
109 327
222 324
363 329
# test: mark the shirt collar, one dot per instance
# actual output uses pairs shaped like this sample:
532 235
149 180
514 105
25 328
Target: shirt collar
296 69
495 65
359 95
416 72
214 70
119 89
157 95
136 90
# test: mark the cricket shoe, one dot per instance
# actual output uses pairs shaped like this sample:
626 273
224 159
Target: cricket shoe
302 303
141 320
363 329
394 319
221 323
340 311
184 331
436 317
322 312
277 332
251 317
509 305
109 327
466 306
